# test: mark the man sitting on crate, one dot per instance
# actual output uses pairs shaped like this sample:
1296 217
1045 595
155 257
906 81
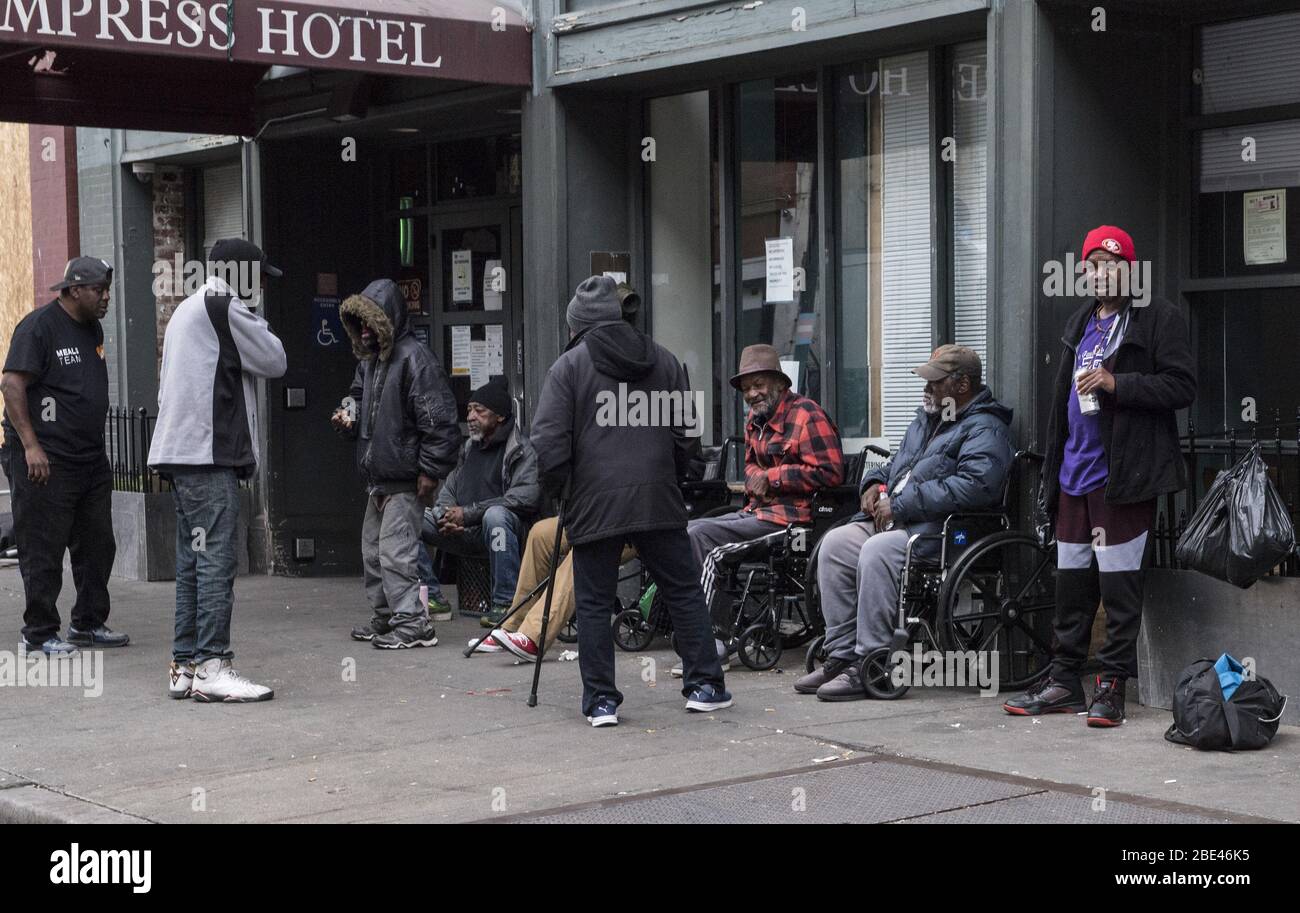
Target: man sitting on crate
954 457
792 449
483 506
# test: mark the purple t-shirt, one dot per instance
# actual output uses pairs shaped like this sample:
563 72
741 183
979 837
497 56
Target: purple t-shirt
1084 466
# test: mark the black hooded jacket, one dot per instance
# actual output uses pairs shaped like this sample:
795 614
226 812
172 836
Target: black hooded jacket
407 415
612 420
1155 375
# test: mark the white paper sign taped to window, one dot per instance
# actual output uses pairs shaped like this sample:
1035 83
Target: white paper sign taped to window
780 270
462 277
494 283
460 351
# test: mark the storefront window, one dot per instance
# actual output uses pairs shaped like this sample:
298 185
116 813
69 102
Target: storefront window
685 293
780 289
884 156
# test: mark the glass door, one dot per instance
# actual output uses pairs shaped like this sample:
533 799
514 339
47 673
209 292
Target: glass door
476 298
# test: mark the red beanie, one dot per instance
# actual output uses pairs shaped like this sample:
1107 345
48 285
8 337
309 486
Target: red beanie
1111 239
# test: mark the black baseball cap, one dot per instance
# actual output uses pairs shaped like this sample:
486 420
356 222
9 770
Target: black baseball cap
237 250
85 271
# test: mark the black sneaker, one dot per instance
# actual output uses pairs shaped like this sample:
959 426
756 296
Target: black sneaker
808 684
407 636
1048 696
373 628
101 636
1107 703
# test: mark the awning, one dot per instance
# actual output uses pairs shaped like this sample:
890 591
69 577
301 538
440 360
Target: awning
58 56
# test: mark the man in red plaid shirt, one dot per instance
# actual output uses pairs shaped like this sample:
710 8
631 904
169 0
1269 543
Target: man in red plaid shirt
792 449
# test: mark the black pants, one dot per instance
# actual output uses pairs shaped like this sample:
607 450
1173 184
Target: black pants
73 511
667 555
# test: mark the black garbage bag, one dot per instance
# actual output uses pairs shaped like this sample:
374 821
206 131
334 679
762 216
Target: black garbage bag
1241 529
1204 719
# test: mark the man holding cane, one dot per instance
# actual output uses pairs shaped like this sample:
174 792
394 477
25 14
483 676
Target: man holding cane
623 480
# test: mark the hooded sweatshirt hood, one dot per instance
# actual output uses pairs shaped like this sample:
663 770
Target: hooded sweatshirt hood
621 351
382 308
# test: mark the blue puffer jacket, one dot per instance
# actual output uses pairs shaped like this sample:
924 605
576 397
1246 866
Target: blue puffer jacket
955 466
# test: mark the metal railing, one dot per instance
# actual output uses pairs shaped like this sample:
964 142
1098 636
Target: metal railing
1207 453
127 434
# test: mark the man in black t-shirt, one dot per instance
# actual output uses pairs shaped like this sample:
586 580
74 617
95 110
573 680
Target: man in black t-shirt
55 387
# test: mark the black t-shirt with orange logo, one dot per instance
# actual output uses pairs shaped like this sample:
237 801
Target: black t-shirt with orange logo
68 400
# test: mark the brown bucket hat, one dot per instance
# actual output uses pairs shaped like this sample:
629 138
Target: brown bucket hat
758 359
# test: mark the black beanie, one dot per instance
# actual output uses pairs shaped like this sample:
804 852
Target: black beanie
495 395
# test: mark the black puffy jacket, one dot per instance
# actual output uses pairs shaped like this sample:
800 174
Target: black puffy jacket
624 474
407 414
1154 376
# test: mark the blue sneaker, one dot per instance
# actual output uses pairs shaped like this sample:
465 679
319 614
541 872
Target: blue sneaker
707 698
100 636
604 714
55 646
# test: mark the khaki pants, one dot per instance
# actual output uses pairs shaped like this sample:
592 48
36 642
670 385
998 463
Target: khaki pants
534 567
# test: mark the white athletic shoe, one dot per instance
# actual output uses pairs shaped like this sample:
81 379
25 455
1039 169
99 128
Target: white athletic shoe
180 680
215 681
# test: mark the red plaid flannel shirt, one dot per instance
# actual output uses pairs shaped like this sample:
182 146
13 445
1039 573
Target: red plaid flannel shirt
799 451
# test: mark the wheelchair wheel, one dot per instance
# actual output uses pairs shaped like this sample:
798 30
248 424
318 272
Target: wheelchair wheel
1001 596
569 633
760 647
877 676
632 632
815 658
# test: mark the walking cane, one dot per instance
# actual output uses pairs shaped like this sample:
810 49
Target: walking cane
550 593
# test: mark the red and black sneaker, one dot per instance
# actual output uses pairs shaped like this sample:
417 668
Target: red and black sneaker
1107 703
1048 696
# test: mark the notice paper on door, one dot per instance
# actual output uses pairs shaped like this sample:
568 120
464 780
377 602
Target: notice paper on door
494 284
460 351
478 363
495 350
780 270
462 277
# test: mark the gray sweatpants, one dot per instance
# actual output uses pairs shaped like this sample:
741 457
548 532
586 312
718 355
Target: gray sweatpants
858 571
390 543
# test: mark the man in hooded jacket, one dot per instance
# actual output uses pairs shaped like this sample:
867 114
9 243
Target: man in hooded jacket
407 443
624 477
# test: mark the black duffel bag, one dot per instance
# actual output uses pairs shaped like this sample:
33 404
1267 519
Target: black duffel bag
1203 719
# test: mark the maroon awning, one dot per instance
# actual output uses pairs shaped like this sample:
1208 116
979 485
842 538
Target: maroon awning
466 40
193 65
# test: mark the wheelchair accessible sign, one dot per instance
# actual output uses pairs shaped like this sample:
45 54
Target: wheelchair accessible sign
326 324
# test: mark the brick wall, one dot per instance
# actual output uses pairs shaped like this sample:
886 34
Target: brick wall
56 231
168 237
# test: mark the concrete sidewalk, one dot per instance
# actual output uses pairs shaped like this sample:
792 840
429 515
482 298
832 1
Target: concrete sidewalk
426 735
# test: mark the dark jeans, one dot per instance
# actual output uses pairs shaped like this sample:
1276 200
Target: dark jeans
207 535
497 538
73 511
667 556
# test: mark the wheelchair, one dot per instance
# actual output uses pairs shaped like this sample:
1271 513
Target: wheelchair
986 587
765 583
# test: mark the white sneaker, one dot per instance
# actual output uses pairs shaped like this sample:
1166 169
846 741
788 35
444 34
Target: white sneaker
180 680
486 644
676 671
215 681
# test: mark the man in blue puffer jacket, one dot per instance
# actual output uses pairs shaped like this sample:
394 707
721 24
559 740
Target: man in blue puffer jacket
954 457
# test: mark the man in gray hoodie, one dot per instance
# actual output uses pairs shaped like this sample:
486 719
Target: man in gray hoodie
407 442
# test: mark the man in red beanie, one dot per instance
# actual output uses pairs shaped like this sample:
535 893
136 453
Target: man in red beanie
1112 449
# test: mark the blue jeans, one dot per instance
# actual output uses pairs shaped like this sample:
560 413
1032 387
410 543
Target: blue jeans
498 539
207 532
